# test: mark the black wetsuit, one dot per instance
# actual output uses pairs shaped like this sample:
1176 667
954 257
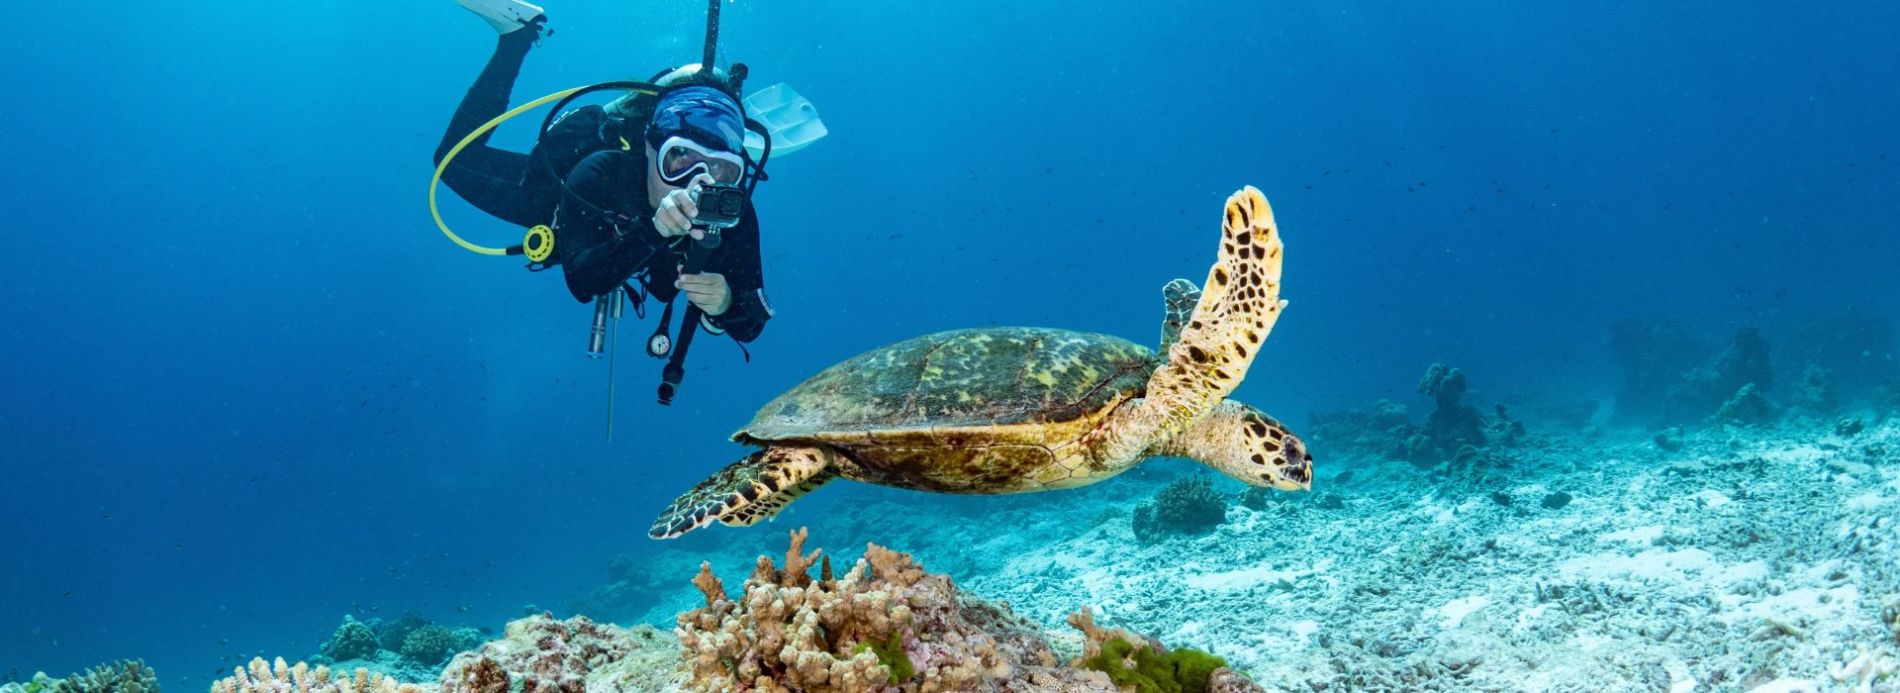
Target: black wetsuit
606 237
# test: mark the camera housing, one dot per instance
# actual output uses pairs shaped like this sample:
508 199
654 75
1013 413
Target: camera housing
720 206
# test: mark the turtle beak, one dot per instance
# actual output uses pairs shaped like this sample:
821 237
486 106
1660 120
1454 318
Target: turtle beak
1297 476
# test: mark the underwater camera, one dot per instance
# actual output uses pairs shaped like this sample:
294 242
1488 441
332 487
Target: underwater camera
720 207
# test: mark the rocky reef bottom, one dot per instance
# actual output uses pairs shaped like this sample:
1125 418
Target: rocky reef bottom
1726 558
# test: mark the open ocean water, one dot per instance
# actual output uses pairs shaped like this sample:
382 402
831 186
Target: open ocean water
249 391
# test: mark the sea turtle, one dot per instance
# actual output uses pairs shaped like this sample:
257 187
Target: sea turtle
1017 409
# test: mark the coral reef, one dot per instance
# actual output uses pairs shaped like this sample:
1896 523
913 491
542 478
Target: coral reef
540 653
1854 347
352 640
124 676
1455 432
262 677
1453 423
1653 356
1186 506
1374 432
390 635
431 644
1704 390
1813 391
1146 666
632 589
1748 408
420 647
885 624
1263 498
789 632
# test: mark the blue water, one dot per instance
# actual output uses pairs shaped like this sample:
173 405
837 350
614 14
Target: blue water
248 388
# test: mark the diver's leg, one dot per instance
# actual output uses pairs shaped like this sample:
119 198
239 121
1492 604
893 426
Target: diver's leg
487 177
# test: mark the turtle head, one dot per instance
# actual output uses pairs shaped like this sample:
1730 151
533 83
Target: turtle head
1246 444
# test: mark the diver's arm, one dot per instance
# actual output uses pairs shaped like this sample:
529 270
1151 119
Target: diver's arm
594 256
745 279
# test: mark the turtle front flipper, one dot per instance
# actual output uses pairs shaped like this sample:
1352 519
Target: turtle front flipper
1238 306
1180 295
1246 444
747 491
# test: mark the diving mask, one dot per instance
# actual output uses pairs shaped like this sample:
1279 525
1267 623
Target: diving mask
681 159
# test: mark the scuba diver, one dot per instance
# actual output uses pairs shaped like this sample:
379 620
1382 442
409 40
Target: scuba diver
646 196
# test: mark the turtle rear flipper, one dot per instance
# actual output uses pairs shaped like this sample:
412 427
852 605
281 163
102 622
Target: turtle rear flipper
747 491
1238 306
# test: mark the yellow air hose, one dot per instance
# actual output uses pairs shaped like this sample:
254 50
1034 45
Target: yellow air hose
435 181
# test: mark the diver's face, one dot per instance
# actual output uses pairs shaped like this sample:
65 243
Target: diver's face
679 160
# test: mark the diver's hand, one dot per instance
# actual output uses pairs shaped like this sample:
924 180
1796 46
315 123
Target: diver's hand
678 211
707 290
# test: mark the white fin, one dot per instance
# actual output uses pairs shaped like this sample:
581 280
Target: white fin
507 16
792 120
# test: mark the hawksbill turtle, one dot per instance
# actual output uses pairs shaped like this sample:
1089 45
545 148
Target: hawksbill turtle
1019 409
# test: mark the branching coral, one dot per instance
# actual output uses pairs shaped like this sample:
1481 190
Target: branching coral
261 677
539 653
125 676
788 632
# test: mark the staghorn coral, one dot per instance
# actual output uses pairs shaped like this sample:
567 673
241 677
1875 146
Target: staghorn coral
539 653
1187 506
261 677
788 632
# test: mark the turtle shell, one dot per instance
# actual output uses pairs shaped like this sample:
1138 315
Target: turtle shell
962 378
